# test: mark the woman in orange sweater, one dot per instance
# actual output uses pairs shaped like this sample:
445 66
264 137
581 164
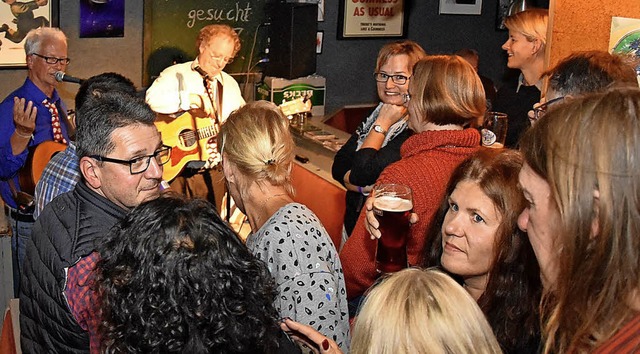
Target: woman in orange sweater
445 95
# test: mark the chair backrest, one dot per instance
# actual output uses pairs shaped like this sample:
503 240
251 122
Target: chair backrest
323 198
10 336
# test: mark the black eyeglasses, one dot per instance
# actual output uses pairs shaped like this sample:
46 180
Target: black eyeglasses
53 60
397 79
140 164
541 110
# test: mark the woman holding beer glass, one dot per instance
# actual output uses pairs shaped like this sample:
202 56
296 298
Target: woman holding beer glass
376 143
445 94
581 178
476 239
257 156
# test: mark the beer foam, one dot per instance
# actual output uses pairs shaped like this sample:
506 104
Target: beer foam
391 203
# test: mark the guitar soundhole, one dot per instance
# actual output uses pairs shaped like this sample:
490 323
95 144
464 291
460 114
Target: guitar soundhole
188 137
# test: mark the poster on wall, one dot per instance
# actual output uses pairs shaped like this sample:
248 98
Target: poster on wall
625 38
365 18
17 19
101 18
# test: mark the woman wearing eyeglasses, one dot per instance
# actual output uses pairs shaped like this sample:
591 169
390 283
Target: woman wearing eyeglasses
376 143
525 51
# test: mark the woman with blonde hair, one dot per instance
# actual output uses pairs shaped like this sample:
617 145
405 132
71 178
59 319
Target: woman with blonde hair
377 140
414 311
257 156
525 49
445 94
581 179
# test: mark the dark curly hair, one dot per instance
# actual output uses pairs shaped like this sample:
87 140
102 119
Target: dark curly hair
511 298
174 278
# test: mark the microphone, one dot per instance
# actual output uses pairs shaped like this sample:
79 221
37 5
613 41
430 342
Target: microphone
61 76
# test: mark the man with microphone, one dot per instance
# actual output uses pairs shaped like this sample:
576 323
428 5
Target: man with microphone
30 115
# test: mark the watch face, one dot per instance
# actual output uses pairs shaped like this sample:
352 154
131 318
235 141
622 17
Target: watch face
379 129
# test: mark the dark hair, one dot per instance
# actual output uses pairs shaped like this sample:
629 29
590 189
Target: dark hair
105 82
591 71
103 114
173 277
511 298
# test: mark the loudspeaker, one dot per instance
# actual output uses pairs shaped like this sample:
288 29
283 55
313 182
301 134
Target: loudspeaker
293 39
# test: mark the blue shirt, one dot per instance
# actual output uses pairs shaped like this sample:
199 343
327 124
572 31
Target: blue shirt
10 164
60 176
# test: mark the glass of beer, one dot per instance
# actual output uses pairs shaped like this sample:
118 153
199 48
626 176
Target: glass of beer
494 130
392 206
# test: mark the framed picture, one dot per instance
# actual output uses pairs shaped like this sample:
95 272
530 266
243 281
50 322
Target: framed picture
100 18
503 9
368 19
461 7
17 20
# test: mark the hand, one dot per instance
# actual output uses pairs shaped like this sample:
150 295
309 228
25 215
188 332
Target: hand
309 337
24 117
200 106
372 224
390 114
531 114
42 2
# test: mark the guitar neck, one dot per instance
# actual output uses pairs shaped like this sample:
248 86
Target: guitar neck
207 132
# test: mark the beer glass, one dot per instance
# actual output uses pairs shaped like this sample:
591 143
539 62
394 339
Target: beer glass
392 207
494 130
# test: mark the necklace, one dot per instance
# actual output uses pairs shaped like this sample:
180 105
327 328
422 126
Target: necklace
273 196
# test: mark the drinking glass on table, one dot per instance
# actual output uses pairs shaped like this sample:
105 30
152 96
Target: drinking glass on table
392 206
494 130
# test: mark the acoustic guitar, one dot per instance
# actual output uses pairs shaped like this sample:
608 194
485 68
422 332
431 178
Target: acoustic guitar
188 135
37 160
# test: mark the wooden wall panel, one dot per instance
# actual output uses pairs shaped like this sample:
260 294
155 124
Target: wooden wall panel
578 25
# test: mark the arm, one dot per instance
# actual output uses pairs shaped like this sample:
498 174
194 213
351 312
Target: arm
389 115
177 89
369 163
308 336
10 141
344 159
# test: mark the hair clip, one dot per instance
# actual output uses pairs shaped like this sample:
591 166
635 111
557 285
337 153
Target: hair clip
270 162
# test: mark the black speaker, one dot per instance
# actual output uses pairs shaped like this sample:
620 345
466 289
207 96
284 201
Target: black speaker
293 39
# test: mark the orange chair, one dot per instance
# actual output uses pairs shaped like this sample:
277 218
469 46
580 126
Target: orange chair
325 199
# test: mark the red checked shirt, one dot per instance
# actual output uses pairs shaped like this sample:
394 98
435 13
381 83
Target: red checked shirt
82 298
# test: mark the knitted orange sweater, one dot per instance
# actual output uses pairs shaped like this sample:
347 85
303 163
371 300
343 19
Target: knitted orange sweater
428 160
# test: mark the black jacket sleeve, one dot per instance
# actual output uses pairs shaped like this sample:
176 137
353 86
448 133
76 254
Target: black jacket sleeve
343 160
367 164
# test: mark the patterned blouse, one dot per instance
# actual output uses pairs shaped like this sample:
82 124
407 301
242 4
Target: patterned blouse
307 270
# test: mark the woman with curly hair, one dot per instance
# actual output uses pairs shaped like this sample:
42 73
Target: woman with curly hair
581 177
174 278
476 239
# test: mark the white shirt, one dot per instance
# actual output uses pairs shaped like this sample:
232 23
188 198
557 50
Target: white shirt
169 93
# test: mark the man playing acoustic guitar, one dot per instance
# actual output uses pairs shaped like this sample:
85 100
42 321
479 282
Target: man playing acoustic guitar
197 96
30 115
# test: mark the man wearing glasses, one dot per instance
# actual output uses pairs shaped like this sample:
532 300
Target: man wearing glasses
30 115
582 73
121 157
201 88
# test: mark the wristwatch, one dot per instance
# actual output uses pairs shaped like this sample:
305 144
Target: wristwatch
378 129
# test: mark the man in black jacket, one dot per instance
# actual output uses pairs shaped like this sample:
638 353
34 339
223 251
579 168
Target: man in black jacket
121 158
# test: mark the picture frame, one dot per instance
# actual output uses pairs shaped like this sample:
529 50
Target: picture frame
12 55
460 7
358 20
501 15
